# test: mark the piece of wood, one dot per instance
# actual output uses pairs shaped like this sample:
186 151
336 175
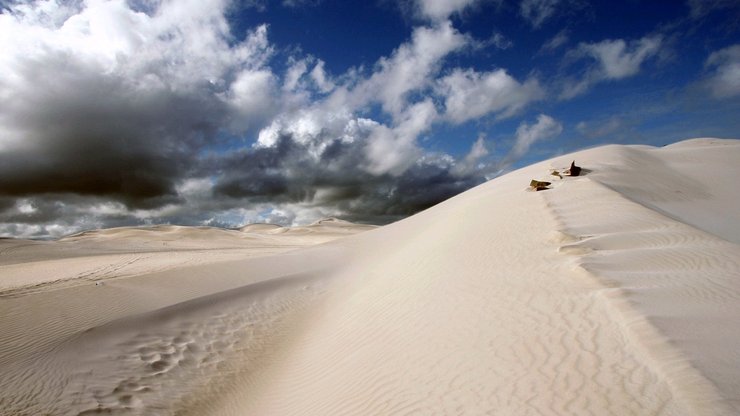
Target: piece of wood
539 185
574 170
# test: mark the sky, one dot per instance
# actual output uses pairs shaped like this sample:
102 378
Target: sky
223 113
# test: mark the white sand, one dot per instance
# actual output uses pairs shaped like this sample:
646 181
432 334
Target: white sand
28 266
617 292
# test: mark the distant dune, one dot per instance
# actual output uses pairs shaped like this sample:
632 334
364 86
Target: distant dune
616 292
97 255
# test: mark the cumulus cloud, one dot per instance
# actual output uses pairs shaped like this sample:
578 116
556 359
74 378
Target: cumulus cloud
410 67
322 80
390 148
439 10
469 94
611 60
252 98
105 100
617 60
724 77
393 150
307 75
546 127
472 160
294 73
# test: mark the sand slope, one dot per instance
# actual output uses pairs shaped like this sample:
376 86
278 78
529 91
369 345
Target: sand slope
92 256
663 225
611 293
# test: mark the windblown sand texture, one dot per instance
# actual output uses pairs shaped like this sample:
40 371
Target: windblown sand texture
613 293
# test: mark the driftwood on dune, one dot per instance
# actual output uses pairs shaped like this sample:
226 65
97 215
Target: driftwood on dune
574 170
539 185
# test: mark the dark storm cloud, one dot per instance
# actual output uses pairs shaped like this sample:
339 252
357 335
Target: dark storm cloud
34 211
288 173
88 134
107 109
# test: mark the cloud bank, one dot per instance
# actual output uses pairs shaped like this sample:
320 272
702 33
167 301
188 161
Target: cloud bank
121 113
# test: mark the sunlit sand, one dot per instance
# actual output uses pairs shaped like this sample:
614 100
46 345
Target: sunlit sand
616 292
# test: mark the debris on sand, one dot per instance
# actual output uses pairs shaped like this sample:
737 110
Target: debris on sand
539 185
574 170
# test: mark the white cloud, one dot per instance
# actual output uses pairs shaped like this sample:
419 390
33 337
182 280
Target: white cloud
417 119
500 41
294 214
526 135
35 230
701 8
560 39
409 68
298 78
252 96
293 74
724 78
469 94
536 12
618 60
412 70
104 209
439 10
393 150
183 47
357 128
321 78
388 153
470 162
160 212
25 206
614 59
389 148
497 40
314 127
195 188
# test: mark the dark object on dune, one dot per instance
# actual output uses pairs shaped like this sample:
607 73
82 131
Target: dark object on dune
574 170
539 185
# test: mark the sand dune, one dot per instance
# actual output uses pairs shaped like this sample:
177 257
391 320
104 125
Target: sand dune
97 255
613 293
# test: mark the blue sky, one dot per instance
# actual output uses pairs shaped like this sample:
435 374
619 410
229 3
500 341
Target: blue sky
229 112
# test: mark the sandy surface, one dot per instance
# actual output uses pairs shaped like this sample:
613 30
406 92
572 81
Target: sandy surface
92 256
612 293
